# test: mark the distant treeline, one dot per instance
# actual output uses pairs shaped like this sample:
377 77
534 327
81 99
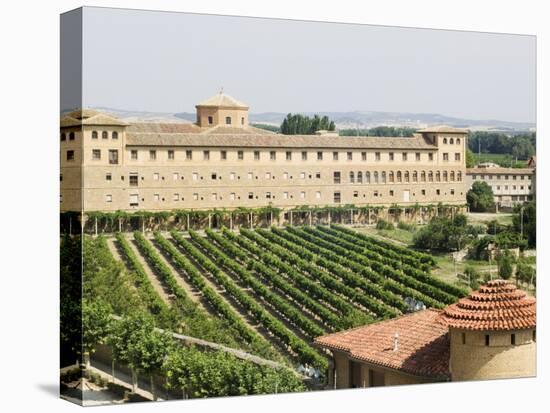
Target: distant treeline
304 125
389 131
521 146
271 128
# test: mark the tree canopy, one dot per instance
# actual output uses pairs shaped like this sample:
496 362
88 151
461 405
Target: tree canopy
444 234
529 222
385 131
298 124
480 198
521 146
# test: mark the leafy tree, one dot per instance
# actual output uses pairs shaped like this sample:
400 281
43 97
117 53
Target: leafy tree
505 262
471 276
381 131
480 198
470 159
509 239
529 222
521 146
96 322
525 272
443 234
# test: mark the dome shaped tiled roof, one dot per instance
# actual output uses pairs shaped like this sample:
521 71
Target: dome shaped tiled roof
222 100
497 305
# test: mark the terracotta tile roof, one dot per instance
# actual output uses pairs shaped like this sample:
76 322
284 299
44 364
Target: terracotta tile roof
90 117
276 141
222 100
422 349
442 129
158 127
497 305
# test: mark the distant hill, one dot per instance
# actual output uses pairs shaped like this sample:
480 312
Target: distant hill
343 120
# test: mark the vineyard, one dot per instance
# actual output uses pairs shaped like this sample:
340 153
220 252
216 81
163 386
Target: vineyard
270 292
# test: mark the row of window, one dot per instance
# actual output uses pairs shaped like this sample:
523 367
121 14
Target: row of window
228 120
134 155
514 187
398 176
96 155
233 196
95 135
506 177
451 141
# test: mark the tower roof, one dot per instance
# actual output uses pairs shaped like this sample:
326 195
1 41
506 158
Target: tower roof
222 100
443 129
497 306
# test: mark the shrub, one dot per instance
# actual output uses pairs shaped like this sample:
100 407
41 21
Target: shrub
406 227
383 224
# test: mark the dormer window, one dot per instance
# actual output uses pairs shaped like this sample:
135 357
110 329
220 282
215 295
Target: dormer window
228 120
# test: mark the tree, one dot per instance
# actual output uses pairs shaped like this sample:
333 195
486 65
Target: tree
471 277
525 272
96 320
505 261
304 125
470 159
480 198
526 220
443 234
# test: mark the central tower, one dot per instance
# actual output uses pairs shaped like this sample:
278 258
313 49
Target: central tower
222 110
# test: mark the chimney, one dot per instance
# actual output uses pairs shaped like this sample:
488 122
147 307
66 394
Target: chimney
395 342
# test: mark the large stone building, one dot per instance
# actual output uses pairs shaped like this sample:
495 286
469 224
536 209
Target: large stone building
511 186
222 162
490 334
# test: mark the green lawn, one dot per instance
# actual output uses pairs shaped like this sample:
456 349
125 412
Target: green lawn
399 235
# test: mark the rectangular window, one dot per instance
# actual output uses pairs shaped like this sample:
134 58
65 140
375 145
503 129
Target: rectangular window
113 156
391 156
302 195
170 155
423 192
404 155
133 155
175 176
288 156
232 176
240 155
445 156
268 195
176 197
189 155
214 196
256 155
232 196
134 199
302 175
304 156
457 156
195 176
205 155
156 176
350 156
463 338
285 175
223 155
272 155
513 339
438 192
319 156
268 175
195 197
487 339
152 155
250 175
318 195
317 175
417 156
251 195
363 156
96 154
108 198
133 179
156 197
337 177
355 194
285 195
452 191
337 197
70 155
391 192
377 156
108 177
214 176
334 156
431 156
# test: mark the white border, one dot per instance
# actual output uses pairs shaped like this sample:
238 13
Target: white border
29 91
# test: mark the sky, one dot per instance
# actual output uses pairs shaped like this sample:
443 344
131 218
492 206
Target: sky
168 62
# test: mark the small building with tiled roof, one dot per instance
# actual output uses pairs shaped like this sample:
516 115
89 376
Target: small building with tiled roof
489 334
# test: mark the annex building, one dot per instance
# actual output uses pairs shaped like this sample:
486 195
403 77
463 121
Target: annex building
221 161
490 334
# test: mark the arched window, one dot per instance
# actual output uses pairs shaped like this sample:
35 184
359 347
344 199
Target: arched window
367 177
359 177
383 177
406 176
63 137
458 141
415 176
451 141
115 135
398 176
390 177
104 135
94 134
375 177
423 176
459 176
351 177
445 140
452 176
228 120
445 177
430 176
71 136
438 176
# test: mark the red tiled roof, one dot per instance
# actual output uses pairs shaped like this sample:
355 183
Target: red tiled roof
422 349
497 305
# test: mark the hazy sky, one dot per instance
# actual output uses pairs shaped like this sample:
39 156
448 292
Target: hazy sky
159 61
